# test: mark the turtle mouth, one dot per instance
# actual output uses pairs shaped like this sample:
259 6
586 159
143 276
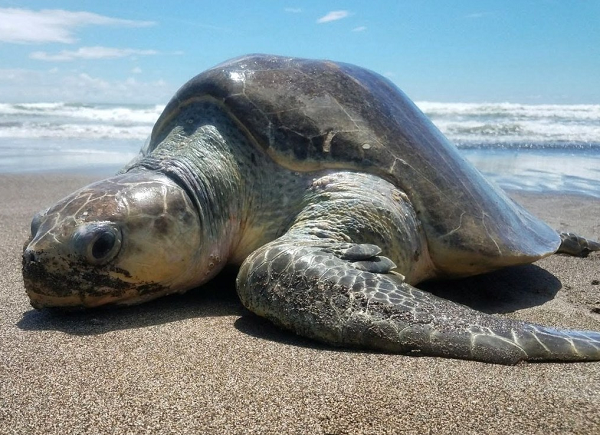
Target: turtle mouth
53 283
43 294
79 291
40 300
51 288
76 302
44 297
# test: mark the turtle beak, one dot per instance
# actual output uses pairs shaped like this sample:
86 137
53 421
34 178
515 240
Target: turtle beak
43 288
31 265
35 277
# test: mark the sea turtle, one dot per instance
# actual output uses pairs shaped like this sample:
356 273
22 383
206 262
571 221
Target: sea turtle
334 194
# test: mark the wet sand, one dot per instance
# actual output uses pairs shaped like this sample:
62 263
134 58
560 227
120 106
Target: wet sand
200 363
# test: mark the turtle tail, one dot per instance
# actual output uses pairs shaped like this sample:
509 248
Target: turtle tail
308 287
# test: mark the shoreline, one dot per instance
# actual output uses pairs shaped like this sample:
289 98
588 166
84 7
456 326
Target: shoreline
200 363
538 170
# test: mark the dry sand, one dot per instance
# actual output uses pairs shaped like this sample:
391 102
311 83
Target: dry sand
199 363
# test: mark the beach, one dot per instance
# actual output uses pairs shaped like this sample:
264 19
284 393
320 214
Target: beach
90 88
200 363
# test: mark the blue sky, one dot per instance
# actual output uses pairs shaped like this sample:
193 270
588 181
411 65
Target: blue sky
452 51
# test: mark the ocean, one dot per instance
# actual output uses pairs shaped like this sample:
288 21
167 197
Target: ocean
539 148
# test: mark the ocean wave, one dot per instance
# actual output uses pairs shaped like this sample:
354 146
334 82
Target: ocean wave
504 123
77 121
466 124
75 131
518 131
106 113
570 112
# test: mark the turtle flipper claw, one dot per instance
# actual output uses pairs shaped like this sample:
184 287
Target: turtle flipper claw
362 251
365 256
375 265
577 246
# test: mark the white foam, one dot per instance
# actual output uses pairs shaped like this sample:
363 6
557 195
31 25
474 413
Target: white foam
467 124
501 123
563 111
120 114
76 131
61 120
525 131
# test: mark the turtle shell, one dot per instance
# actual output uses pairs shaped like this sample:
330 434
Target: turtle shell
310 115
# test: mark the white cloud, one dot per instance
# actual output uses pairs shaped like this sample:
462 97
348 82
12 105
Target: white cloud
333 16
52 25
293 10
24 85
476 15
85 81
359 29
90 53
136 70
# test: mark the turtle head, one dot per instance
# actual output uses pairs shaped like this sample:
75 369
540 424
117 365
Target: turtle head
123 240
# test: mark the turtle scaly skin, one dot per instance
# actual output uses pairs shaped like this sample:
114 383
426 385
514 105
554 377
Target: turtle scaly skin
303 282
334 194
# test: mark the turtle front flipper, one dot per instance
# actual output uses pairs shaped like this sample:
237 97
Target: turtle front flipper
302 285
342 274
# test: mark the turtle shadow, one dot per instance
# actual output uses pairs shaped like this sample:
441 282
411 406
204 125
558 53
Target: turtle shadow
216 298
261 328
499 292
503 291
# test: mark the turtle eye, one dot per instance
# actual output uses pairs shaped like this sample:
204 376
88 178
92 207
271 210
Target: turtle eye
98 243
103 245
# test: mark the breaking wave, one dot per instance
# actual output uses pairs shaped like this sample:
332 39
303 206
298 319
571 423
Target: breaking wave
504 125
77 121
508 125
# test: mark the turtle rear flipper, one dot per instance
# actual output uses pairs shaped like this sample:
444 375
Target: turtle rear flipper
303 286
577 246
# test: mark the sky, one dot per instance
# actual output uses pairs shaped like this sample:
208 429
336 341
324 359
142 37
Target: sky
520 51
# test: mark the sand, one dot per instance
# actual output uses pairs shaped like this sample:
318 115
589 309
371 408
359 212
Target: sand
200 363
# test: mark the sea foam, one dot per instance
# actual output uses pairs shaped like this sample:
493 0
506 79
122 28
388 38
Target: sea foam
517 125
467 124
62 120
